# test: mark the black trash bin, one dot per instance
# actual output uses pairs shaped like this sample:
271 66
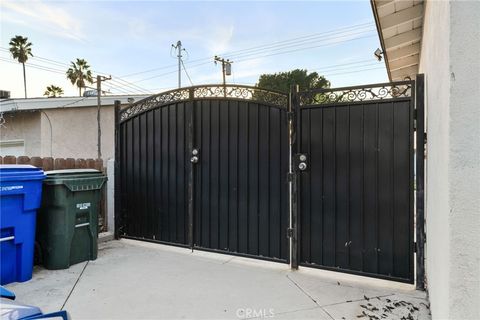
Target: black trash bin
67 226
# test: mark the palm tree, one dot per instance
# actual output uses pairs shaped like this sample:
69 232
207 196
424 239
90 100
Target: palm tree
53 91
79 73
20 49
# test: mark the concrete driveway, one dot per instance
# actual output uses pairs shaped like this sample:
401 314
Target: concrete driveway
139 280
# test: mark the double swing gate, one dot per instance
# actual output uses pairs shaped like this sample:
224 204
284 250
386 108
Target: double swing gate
322 178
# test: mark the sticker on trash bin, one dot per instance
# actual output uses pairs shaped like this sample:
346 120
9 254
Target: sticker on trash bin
10 188
83 206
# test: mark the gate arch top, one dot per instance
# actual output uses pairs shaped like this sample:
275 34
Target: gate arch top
218 91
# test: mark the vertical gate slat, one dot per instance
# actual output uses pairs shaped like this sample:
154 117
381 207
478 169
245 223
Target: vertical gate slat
356 188
275 183
370 188
284 145
165 174
198 143
214 174
205 167
158 173
253 154
181 199
341 187
403 162
329 215
263 182
243 178
386 218
233 179
315 201
223 175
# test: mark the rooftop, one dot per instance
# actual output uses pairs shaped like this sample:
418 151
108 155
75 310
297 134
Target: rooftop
29 104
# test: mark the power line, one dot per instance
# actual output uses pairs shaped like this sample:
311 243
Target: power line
305 48
258 57
302 43
58 71
120 82
289 41
188 76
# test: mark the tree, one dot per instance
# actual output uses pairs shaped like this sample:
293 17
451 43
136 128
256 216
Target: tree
282 81
79 73
20 49
53 91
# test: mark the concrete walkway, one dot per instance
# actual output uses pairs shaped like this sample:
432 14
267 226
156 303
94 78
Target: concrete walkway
139 280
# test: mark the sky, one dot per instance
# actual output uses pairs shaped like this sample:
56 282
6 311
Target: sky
132 42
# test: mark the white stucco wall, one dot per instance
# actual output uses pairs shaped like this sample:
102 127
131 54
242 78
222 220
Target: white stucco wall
62 132
450 59
74 132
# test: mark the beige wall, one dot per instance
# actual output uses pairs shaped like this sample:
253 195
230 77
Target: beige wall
450 60
72 134
23 126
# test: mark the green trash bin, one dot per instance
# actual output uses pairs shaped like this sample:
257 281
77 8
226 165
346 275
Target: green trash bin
67 222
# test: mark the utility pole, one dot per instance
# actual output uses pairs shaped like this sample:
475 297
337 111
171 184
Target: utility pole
178 47
99 103
226 67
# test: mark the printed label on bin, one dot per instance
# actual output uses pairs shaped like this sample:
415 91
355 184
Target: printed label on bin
83 206
10 188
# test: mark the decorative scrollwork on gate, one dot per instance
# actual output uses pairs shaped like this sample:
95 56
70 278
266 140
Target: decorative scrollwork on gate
356 94
256 94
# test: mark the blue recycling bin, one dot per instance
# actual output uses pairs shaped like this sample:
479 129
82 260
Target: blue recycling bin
20 197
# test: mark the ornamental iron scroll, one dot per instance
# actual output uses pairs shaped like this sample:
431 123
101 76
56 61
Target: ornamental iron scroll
256 94
357 94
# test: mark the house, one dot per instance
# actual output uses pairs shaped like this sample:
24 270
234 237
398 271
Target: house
59 127
441 39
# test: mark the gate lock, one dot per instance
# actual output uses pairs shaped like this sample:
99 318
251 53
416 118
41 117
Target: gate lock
301 161
194 158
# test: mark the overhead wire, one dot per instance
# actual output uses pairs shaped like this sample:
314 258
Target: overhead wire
264 46
343 34
257 57
120 82
184 69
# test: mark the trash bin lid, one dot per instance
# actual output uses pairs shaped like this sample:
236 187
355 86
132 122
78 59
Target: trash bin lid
76 179
20 172
71 171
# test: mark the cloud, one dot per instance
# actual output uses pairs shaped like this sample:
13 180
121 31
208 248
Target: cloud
41 15
220 38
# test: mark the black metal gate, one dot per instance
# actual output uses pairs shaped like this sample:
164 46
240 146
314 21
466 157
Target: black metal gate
355 159
206 167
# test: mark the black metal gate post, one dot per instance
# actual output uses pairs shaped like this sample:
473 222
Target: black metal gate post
116 191
293 108
420 177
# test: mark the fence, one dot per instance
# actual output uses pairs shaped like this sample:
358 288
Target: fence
49 163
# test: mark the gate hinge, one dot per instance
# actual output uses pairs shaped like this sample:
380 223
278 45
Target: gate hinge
289 232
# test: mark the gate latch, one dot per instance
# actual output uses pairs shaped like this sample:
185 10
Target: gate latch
195 155
301 161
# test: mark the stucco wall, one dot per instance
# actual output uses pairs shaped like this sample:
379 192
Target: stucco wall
23 126
74 132
62 133
450 61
